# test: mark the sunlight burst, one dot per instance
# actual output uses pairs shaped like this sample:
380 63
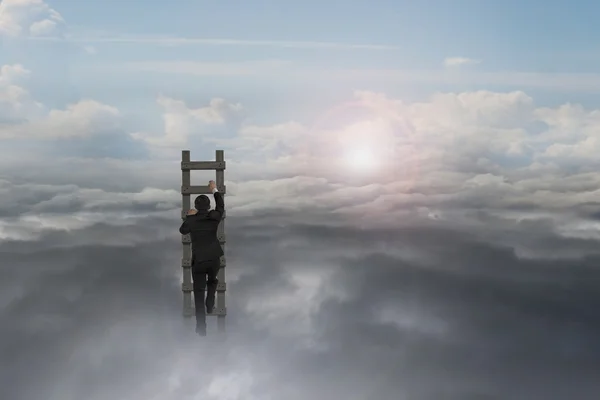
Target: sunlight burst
360 158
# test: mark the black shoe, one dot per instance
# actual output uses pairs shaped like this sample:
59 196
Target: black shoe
209 310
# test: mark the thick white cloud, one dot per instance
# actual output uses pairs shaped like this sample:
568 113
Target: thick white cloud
181 121
434 146
437 162
442 160
29 18
24 118
79 120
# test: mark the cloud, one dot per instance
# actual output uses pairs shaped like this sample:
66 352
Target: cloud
11 73
181 121
16 104
487 131
457 160
203 68
562 82
478 149
323 296
484 149
459 61
29 18
471 248
24 118
82 119
154 40
84 128
445 79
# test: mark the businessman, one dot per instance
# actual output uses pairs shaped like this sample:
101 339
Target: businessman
202 223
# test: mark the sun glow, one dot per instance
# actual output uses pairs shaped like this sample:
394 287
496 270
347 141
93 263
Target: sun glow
360 158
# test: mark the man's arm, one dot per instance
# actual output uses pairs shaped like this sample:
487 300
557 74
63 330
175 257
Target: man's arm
217 213
184 229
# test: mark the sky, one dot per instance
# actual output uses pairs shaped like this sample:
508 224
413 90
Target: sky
413 209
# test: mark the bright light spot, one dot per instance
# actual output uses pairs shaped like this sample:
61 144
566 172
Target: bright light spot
360 158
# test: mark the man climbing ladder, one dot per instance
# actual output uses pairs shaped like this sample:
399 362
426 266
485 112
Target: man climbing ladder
201 224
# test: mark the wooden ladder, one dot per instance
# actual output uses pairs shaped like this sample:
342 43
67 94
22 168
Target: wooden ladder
187 189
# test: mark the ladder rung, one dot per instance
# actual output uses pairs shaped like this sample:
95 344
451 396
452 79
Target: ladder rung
201 189
202 165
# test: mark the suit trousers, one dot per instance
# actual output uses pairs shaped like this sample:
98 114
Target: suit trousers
204 275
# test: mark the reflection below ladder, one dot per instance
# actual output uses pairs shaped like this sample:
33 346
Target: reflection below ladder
186 262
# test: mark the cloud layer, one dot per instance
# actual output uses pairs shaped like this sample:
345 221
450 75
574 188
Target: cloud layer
457 263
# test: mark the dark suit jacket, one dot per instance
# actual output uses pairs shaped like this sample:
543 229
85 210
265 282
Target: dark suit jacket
202 228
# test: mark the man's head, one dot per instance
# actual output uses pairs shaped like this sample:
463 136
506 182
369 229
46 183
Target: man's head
202 203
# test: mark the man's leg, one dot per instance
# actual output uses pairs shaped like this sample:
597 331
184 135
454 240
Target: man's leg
199 279
211 271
